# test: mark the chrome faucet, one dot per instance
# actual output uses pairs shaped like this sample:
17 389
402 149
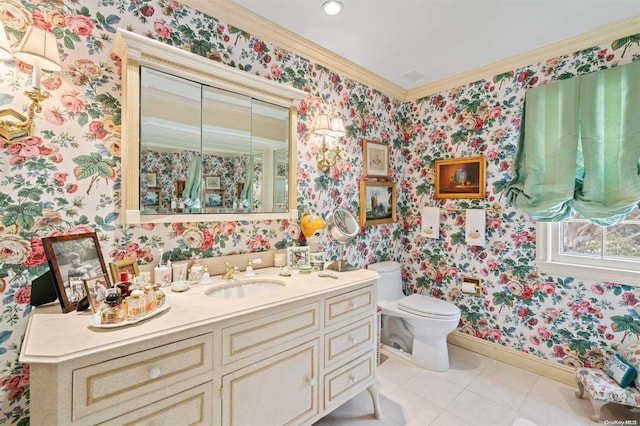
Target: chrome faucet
229 271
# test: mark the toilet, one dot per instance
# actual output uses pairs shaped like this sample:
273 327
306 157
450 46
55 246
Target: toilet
417 325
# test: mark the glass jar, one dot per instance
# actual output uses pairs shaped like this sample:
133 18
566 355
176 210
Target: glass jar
111 311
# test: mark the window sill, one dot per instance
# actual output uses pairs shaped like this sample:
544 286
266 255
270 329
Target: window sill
593 273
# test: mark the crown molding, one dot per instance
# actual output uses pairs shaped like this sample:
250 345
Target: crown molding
598 36
233 14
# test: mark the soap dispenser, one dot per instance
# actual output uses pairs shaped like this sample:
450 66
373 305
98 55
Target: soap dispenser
249 271
206 278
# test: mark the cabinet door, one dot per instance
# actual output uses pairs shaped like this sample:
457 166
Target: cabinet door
279 390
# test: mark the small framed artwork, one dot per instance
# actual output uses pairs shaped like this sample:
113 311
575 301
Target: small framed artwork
377 203
460 178
73 258
213 199
298 256
180 184
150 180
128 265
152 198
96 290
376 159
212 182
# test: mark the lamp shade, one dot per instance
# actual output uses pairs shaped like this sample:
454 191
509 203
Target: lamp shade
322 125
5 47
337 128
39 45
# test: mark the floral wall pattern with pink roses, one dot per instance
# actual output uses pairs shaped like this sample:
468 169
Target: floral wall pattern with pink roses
67 180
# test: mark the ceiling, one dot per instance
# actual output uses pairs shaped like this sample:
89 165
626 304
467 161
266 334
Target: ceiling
411 43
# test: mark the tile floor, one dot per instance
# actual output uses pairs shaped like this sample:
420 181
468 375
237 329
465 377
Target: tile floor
475 391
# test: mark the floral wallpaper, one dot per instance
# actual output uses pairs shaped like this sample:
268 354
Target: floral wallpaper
67 180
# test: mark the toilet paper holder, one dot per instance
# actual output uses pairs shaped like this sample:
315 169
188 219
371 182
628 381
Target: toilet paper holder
471 286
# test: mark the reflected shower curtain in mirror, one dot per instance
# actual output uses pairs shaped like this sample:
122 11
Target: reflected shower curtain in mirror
193 187
246 195
579 148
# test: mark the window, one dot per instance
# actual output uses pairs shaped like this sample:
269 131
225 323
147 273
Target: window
581 249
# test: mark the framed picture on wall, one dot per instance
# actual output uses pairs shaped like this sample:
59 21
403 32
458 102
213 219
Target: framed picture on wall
377 203
150 180
213 199
72 258
460 178
212 182
152 199
180 184
375 159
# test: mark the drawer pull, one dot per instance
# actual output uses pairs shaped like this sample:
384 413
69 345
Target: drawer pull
353 340
353 305
311 381
352 378
154 373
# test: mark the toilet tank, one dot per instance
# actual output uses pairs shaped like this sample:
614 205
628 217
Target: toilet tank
390 282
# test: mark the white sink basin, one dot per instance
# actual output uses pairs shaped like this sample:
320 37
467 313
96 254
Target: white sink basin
245 288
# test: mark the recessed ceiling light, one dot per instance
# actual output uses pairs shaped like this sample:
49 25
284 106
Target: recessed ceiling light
332 7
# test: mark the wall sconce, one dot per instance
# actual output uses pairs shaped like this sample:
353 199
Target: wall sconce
38 49
334 128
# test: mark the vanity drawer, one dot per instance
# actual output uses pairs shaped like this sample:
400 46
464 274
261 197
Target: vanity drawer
348 305
339 383
348 340
126 383
242 340
191 407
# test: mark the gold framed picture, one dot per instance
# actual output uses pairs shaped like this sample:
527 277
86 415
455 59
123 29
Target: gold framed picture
460 178
129 265
377 202
375 159
212 182
96 290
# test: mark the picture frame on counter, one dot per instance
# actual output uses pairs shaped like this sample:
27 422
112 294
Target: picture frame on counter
96 290
298 256
129 265
72 258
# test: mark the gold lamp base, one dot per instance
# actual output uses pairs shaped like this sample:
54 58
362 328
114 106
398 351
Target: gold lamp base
16 127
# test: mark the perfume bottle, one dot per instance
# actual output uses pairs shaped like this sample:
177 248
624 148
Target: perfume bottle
124 285
150 301
111 311
136 304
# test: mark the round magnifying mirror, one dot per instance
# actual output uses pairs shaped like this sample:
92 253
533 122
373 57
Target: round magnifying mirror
342 226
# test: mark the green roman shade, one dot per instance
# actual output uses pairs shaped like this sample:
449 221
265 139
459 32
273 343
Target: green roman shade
579 148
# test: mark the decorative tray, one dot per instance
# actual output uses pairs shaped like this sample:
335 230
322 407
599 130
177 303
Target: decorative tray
94 320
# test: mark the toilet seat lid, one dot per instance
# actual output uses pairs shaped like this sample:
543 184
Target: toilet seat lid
420 304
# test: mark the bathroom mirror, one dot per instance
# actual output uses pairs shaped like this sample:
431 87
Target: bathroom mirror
202 141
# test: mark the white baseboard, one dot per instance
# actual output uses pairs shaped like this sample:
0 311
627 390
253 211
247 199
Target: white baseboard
513 357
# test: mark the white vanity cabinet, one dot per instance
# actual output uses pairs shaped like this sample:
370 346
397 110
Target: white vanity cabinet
285 359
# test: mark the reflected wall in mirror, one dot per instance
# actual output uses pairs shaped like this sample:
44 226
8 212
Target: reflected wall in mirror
190 131
195 118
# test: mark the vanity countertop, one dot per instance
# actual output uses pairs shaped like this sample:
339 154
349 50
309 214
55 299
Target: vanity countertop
53 336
